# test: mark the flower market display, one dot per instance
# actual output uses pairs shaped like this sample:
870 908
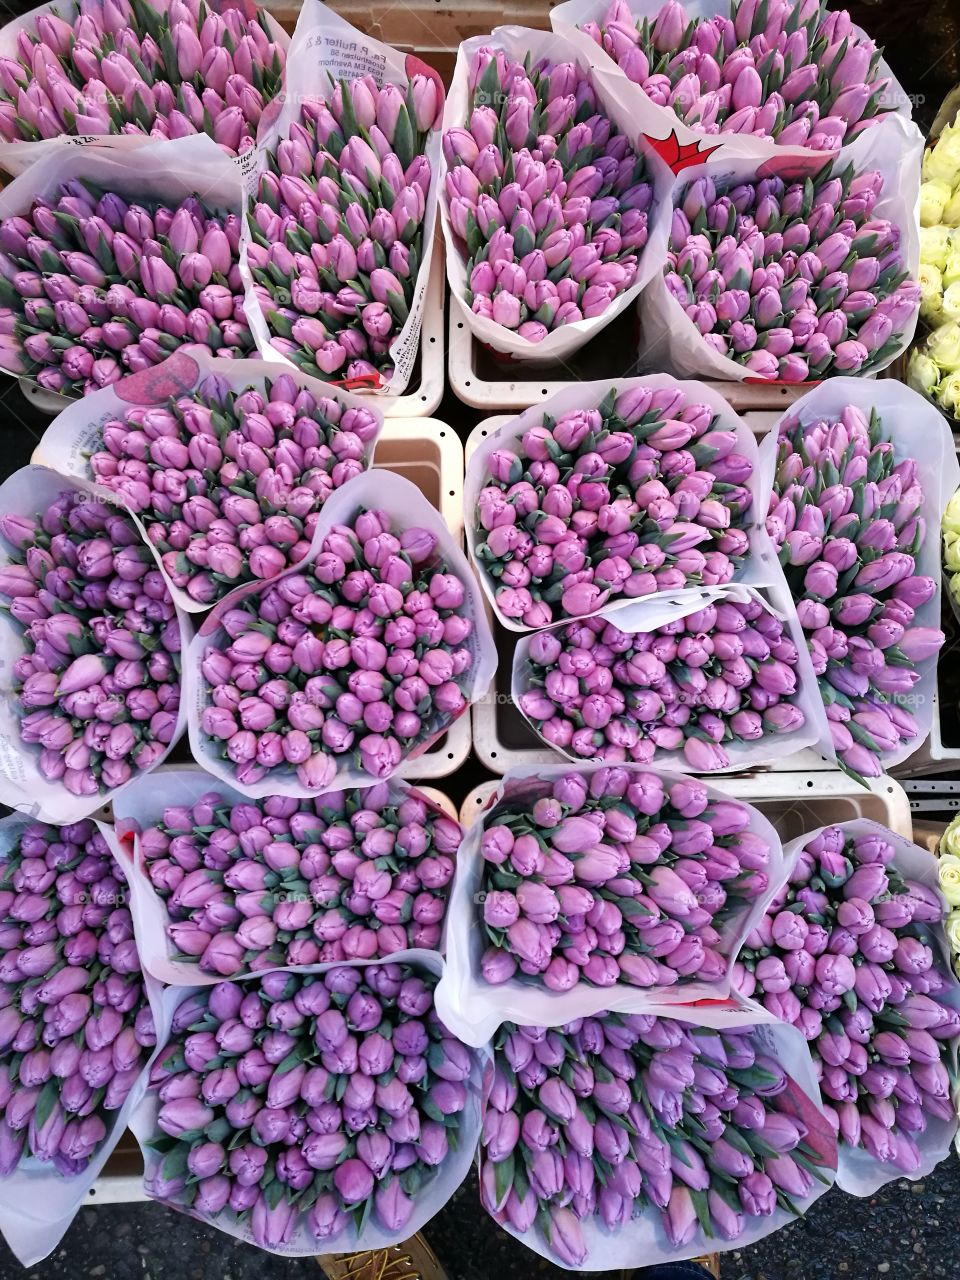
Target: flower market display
370 651
847 514
796 280
547 202
338 226
625 1125
710 681
229 479
94 286
350 875
76 1026
650 491
850 951
616 876
934 366
132 68
304 1108
98 640
797 74
667 980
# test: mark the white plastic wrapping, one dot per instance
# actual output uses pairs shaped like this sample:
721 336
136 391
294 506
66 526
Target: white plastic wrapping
16 157
859 1173
473 1008
660 122
168 172
428 1202
141 806
28 492
643 1242
325 45
407 509
671 339
518 43
37 1203
919 431
650 614
67 443
760 561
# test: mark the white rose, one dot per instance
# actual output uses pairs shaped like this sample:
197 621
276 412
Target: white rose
943 160
934 245
948 393
948 870
931 291
943 346
923 375
933 200
952 926
951 301
951 212
951 265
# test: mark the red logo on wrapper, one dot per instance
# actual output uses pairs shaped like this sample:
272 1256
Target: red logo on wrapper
174 377
680 155
792 168
362 382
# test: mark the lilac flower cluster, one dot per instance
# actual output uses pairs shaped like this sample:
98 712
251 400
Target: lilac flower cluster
352 875
643 493
616 877
99 679
725 674
847 953
337 232
789 71
93 286
619 1115
228 485
845 514
549 201
130 67
75 1024
297 1104
354 660
793 281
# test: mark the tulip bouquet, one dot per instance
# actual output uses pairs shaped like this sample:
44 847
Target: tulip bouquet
712 682
547 204
76 1028
342 224
300 1111
130 68
226 473
104 271
351 661
790 280
605 494
793 73
934 368
622 1137
853 497
95 695
224 886
851 951
575 888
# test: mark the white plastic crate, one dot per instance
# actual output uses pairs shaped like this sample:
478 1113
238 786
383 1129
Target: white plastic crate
422 395
491 381
794 802
502 739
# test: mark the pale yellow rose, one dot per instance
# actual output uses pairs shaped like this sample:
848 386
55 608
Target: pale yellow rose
951 265
951 212
952 925
951 301
949 871
943 160
950 840
947 394
930 280
924 376
934 245
933 200
951 551
943 346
